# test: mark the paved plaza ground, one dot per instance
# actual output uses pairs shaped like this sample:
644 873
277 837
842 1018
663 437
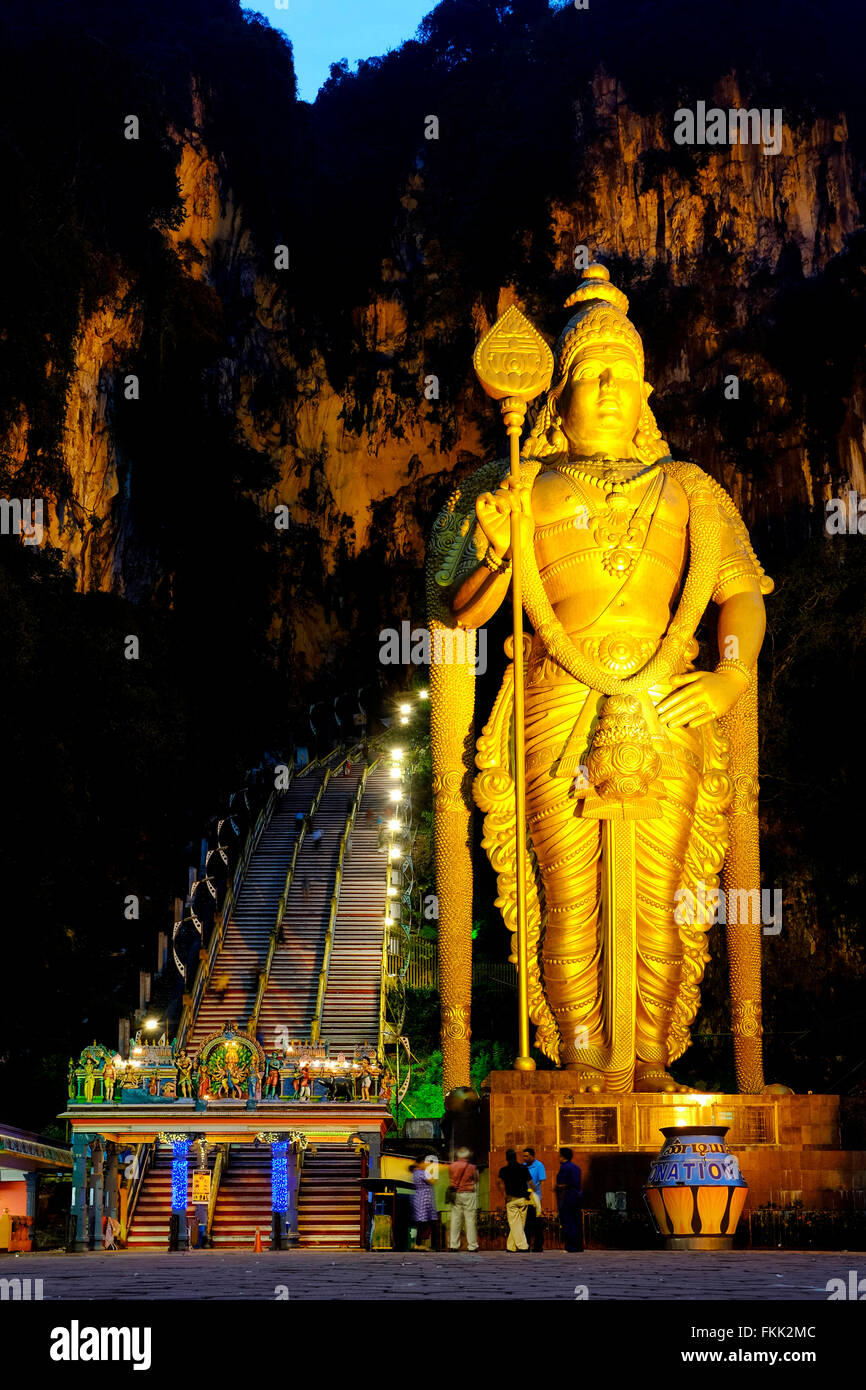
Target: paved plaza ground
359 1275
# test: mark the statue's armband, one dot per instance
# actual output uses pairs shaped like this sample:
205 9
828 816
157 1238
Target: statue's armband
737 573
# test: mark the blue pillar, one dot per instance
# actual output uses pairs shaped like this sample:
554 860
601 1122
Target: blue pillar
179 1232
279 1193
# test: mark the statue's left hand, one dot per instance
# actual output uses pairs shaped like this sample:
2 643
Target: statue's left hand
700 696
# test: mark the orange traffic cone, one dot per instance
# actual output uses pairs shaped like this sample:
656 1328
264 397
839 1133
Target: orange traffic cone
258 1242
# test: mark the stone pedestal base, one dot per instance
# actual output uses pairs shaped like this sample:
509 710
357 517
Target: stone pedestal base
789 1147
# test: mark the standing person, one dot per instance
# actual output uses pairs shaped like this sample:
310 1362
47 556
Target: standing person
423 1203
317 838
514 1180
463 1177
569 1197
534 1223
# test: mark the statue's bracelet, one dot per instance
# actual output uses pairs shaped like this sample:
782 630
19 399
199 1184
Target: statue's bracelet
493 563
729 663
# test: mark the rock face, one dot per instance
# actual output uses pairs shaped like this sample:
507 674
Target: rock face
361 407
87 522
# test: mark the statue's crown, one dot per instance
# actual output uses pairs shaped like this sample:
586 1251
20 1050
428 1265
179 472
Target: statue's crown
596 285
602 315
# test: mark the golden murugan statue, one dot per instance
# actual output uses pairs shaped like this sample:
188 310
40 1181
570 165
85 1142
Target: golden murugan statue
641 771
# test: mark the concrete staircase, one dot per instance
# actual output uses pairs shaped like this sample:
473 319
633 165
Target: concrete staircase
152 1215
245 944
350 1017
329 1199
290 998
243 1202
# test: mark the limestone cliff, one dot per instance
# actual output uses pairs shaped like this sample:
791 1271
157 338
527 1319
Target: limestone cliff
348 378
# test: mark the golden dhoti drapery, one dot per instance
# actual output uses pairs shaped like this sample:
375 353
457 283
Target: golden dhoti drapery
675 839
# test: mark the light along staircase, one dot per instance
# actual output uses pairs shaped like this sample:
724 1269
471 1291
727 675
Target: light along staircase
329 1198
290 997
243 1203
152 1216
350 1014
245 945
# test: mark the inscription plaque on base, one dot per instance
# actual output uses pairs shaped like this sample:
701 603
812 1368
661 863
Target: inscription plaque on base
588 1126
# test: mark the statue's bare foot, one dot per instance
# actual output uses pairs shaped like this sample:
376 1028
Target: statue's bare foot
586 1078
649 1076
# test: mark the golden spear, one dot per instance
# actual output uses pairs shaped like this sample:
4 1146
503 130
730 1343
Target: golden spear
514 365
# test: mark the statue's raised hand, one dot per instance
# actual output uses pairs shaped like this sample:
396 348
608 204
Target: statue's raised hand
494 509
700 696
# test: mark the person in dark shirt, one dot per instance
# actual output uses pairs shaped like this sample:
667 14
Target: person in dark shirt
515 1182
534 1220
569 1197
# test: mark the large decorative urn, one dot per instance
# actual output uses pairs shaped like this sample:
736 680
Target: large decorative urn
695 1192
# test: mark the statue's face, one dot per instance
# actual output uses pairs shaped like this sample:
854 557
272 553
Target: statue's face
601 403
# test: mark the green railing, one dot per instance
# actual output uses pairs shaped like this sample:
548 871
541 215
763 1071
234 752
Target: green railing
264 973
316 1027
193 998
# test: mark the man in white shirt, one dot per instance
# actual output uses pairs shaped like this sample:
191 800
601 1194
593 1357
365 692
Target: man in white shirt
534 1223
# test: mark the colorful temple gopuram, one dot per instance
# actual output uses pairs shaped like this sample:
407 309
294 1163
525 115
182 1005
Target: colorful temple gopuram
259 1112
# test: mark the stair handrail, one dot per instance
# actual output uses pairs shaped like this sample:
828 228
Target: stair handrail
220 1165
264 973
316 1027
143 1162
207 959
383 983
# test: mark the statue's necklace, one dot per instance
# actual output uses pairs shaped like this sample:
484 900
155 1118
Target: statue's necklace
621 531
608 481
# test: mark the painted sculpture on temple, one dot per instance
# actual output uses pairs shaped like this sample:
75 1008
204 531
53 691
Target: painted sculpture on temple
109 1078
183 1063
96 1062
227 1061
273 1062
640 780
89 1079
